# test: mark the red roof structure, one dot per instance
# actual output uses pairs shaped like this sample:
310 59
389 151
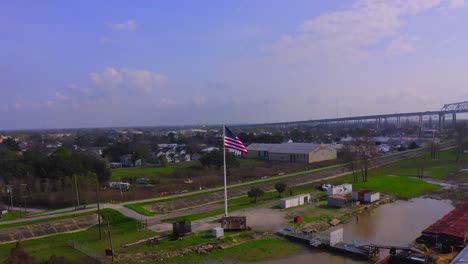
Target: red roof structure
455 223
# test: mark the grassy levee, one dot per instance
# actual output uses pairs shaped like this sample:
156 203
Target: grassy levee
123 229
13 215
157 171
38 221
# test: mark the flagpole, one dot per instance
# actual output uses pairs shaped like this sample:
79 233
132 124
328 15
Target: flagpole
225 181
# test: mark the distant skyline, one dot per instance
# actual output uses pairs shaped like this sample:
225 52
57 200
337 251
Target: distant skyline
71 64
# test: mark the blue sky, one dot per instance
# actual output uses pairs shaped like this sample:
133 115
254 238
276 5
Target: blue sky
128 63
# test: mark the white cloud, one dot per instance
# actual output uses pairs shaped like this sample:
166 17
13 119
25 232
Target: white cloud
455 4
105 40
339 35
199 100
129 26
167 102
400 45
123 78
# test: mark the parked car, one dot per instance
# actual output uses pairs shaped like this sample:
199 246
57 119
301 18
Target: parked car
325 186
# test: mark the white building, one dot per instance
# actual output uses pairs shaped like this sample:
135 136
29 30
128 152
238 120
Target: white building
342 189
294 201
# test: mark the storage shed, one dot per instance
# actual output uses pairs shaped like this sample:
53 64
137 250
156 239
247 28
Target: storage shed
342 189
217 232
337 200
371 197
359 194
294 201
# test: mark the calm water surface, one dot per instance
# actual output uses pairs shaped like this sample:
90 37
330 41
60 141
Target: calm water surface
397 223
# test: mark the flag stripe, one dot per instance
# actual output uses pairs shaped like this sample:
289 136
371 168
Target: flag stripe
231 141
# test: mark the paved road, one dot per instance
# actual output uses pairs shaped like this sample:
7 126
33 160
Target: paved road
180 207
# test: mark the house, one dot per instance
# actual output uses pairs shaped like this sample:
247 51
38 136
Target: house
292 152
115 165
126 160
170 158
176 158
210 149
137 162
235 152
195 156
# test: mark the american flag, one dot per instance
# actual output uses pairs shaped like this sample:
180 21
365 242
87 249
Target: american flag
231 141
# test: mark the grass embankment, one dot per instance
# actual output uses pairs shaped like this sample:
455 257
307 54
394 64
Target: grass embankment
251 251
44 220
157 171
13 215
438 168
124 230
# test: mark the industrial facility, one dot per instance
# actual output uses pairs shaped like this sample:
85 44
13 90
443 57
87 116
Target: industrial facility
292 152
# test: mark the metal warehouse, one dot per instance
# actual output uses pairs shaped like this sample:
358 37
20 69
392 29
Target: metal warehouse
292 152
452 229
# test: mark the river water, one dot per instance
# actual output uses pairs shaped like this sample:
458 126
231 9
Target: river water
398 223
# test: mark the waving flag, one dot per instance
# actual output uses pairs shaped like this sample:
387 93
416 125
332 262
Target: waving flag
231 141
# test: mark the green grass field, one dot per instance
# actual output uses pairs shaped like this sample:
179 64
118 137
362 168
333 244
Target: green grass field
140 172
251 251
438 168
124 231
403 187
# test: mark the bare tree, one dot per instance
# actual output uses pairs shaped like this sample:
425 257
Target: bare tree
365 151
349 156
461 139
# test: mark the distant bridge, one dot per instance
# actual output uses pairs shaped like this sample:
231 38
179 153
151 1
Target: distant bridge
450 110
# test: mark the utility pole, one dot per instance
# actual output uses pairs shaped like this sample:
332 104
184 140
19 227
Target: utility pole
110 239
98 209
24 188
10 191
77 195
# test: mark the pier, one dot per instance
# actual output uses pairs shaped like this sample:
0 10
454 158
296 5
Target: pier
333 240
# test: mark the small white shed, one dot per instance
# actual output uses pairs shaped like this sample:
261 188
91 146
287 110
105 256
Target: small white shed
371 197
294 201
217 232
342 189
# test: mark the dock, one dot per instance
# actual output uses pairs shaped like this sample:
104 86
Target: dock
332 241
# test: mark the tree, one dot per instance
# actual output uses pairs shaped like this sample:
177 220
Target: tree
10 144
349 156
280 187
19 256
365 151
163 160
215 158
461 139
254 193
413 145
